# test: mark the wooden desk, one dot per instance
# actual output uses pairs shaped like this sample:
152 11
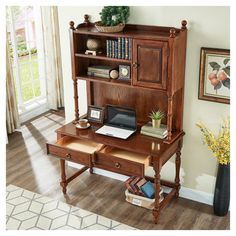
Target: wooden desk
156 60
157 152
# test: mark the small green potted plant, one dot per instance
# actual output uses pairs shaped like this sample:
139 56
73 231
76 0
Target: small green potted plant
113 19
156 117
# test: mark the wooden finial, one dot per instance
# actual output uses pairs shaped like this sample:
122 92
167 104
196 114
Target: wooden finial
184 23
86 19
72 23
172 33
86 22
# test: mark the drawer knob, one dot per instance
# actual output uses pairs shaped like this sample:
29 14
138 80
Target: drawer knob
68 155
117 165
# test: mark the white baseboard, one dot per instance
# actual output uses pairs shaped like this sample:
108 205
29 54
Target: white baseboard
187 193
194 195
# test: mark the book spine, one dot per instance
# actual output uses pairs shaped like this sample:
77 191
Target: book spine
110 48
127 184
133 184
113 49
97 75
107 47
123 48
150 130
116 49
101 71
130 48
119 48
153 135
141 183
126 48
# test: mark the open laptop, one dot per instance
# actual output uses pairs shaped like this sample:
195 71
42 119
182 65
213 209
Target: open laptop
121 122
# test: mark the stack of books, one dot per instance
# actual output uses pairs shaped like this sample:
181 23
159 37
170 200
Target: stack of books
133 184
120 48
161 132
100 71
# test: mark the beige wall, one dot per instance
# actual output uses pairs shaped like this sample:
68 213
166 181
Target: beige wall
208 27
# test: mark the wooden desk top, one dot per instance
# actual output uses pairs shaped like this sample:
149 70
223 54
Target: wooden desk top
136 143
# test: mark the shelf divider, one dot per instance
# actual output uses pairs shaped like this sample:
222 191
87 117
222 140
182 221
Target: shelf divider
102 57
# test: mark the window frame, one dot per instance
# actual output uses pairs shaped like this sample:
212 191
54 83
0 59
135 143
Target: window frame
37 102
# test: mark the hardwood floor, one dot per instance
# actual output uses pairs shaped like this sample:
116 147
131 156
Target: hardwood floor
29 167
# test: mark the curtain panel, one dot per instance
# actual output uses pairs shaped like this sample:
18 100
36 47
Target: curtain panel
52 51
12 116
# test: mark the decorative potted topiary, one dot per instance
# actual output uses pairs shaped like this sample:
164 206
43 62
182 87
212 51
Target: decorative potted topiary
113 19
220 146
156 117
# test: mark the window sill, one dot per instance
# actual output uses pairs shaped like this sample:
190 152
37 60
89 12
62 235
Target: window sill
33 108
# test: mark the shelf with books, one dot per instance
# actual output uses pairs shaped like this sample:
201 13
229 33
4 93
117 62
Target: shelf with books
102 57
118 48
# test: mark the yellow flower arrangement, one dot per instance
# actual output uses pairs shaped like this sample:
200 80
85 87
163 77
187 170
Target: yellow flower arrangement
219 145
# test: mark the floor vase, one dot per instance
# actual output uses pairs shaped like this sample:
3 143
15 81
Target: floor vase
222 191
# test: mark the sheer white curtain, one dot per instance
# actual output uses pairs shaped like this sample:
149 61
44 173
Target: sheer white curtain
54 82
12 116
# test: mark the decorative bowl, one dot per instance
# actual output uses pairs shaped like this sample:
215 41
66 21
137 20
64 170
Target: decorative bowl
109 29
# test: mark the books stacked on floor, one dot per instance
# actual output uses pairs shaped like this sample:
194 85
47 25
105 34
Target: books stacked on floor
100 71
141 187
148 130
120 48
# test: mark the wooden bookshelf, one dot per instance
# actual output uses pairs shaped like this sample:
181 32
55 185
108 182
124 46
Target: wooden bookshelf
157 69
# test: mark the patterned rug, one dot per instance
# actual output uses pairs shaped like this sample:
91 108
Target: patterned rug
26 210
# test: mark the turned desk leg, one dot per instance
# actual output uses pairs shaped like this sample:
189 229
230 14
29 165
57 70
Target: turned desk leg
177 169
157 183
63 182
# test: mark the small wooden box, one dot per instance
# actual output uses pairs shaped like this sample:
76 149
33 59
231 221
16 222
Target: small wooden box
141 201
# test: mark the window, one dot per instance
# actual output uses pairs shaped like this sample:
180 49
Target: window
24 35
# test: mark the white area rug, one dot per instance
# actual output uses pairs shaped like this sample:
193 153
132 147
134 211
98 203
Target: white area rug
27 210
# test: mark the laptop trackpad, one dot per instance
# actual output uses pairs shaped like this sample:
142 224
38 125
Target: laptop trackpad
114 132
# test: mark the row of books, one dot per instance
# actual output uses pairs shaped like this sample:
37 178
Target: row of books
161 132
100 71
120 48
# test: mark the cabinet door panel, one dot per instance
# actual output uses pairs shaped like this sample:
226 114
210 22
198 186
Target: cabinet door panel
150 63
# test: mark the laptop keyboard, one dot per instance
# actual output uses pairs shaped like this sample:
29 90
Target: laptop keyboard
115 132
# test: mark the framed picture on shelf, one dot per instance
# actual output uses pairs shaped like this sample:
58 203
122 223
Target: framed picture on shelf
214 75
95 114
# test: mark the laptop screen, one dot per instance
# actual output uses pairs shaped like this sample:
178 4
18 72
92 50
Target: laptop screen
121 117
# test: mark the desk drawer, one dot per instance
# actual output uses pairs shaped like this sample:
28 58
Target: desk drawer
73 149
121 161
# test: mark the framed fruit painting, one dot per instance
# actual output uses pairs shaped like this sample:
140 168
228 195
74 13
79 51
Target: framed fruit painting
214 78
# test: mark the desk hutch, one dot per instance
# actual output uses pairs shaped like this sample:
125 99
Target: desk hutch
157 81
